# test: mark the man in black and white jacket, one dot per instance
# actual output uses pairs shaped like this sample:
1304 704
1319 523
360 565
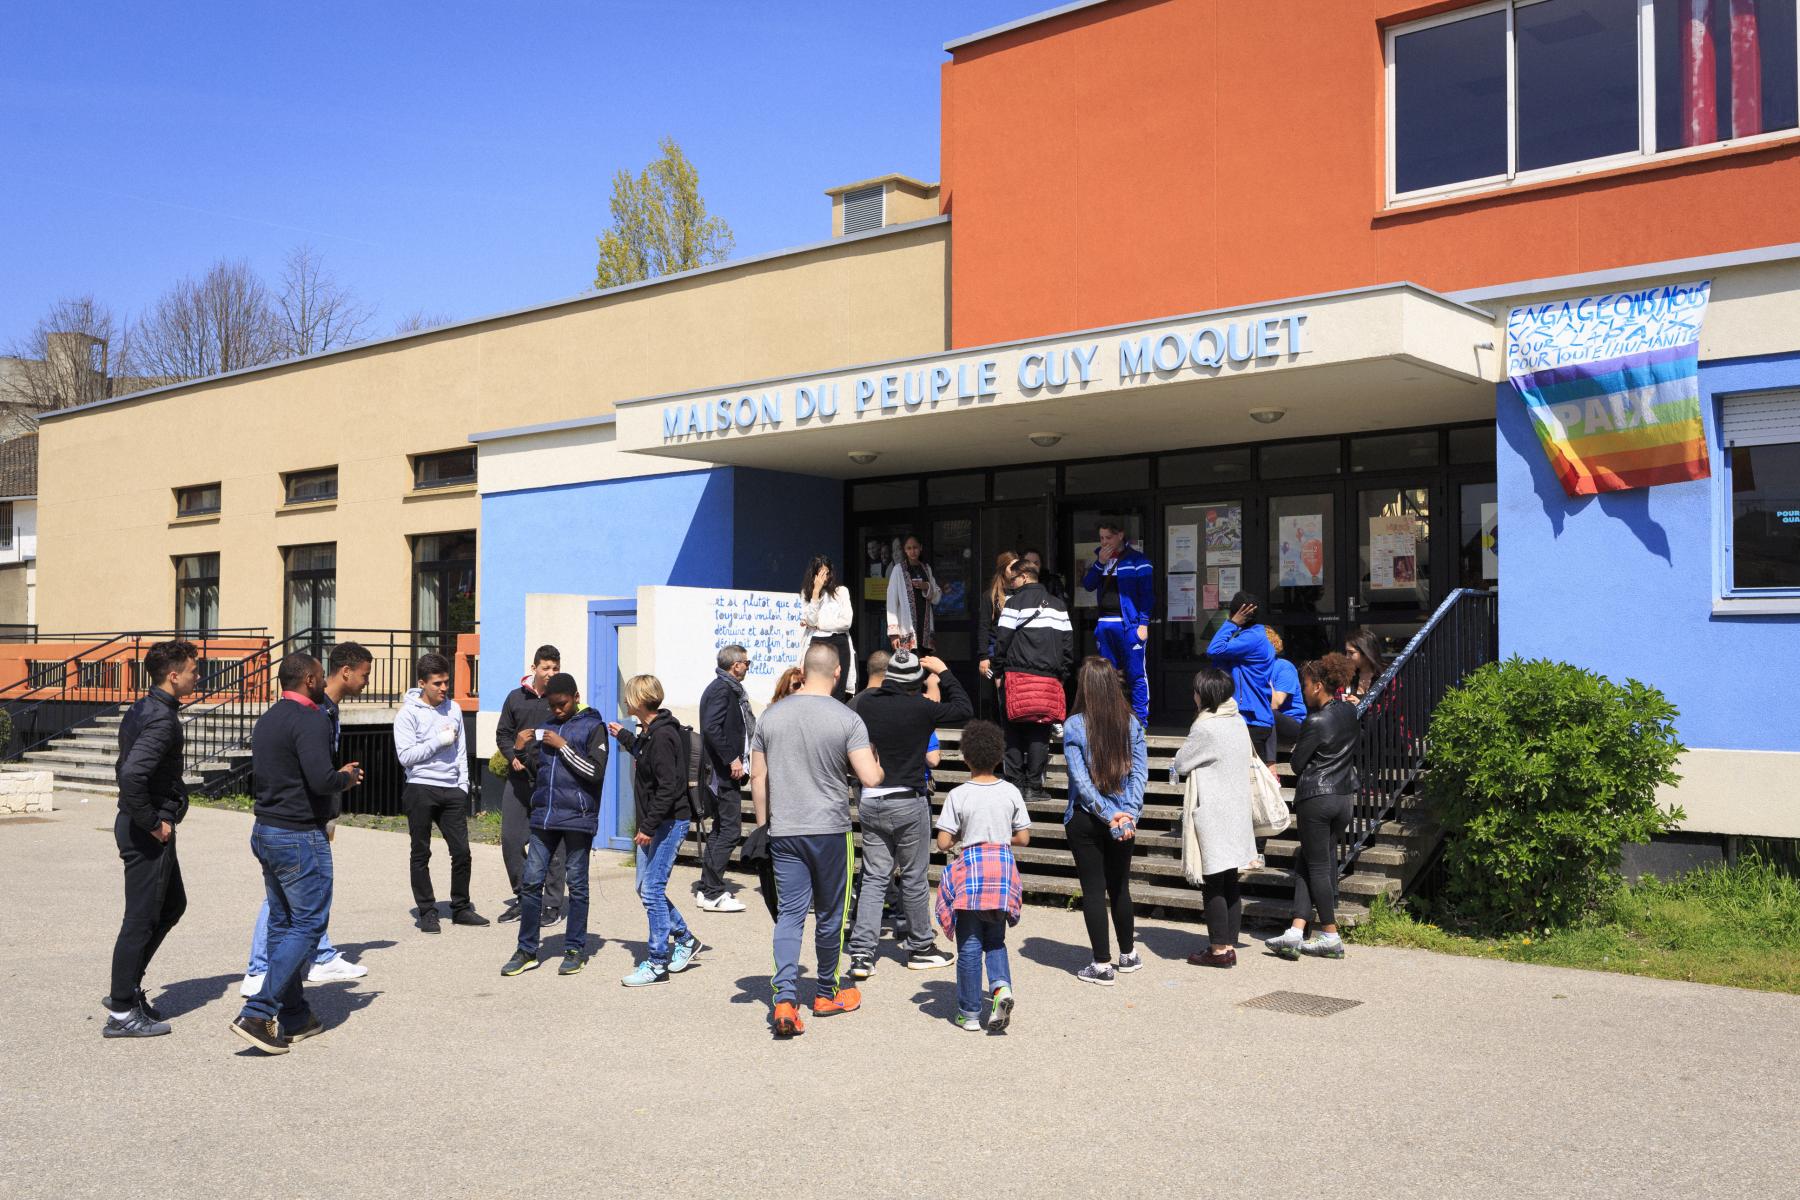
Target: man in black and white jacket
1034 650
726 726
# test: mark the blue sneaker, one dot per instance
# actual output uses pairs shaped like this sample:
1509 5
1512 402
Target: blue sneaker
646 974
687 949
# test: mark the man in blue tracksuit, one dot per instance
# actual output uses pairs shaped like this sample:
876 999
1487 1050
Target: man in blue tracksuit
567 759
1123 579
1242 647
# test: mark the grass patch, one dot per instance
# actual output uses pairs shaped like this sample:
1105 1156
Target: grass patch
484 827
1737 926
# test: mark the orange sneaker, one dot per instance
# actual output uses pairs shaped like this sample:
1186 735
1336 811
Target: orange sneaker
847 1000
787 1021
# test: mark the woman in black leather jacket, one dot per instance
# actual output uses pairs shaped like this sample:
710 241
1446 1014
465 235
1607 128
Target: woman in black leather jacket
1325 783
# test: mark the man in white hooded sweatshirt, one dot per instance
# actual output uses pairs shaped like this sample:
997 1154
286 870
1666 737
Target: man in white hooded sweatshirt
428 739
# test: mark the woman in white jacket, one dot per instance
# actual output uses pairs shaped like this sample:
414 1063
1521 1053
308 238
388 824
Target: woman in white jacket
826 613
911 593
1216 821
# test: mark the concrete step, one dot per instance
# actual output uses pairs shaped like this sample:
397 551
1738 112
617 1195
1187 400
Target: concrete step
74 787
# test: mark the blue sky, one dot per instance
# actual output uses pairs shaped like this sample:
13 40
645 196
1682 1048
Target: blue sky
445 156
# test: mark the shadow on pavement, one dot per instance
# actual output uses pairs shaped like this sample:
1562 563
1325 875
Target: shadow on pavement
335 1002
179 999
937 998
356 950
1061 955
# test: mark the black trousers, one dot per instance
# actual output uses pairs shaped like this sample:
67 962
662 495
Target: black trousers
1103 864
448 809
154 902
1027 752
728 823
1262 740
1287 731
846 657
515 835
1321 820
1224 907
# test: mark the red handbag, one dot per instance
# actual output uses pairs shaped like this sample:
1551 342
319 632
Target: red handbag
1034 698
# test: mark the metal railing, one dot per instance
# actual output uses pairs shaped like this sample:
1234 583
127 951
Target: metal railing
1462 635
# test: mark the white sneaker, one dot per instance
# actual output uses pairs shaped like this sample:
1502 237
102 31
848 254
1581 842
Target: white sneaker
333 968
252 986
1287 940
727 903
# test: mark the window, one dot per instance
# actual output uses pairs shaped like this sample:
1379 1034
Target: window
197 500
1533 89
898 493
8 532
444 470
1294 460
1762 492
310 587
956 489
1394 451
864 209
444 585
197 593
305 487
1128 475
1024 483
1204 468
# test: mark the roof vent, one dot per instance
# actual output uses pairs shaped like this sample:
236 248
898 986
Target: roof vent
865 209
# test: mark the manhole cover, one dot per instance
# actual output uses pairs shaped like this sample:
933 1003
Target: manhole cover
1303 1004
26 821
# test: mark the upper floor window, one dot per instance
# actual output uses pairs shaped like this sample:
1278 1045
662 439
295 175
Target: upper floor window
304 487
444 470
1761 478
197 501
1533 89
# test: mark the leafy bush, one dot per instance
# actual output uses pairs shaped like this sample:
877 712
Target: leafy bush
499 765
6 730
1540 772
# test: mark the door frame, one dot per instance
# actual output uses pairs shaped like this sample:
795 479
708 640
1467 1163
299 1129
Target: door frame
605 619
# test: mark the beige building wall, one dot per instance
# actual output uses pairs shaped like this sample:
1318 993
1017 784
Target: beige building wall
107 475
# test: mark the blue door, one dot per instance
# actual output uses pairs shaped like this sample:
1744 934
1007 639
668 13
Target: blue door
612 659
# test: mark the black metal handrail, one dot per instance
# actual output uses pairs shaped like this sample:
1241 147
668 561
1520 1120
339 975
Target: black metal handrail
1462 635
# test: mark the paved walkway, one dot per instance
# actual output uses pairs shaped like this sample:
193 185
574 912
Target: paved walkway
1454 1077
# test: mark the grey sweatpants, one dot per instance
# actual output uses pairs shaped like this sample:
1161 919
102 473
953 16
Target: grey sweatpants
812 874
896 832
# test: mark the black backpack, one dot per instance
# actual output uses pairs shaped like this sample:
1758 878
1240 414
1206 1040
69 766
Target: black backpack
699 780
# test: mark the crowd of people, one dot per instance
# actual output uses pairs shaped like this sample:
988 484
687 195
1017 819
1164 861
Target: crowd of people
822 761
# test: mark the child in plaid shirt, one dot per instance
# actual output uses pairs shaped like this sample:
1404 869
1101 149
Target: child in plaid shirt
979 894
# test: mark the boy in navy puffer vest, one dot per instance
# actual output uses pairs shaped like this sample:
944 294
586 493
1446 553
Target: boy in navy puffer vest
568 759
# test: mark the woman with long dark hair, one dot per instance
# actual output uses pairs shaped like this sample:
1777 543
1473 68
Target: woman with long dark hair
987 621
1215 819
1366 663
1325 783
826 613
1108 768
912 592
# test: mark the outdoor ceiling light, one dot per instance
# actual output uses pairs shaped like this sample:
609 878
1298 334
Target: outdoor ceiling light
863 458
1046 440
1267 416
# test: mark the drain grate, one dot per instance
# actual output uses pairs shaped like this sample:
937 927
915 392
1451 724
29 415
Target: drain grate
1303 1004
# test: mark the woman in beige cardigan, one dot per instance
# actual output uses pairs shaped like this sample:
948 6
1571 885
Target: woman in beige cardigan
1216 825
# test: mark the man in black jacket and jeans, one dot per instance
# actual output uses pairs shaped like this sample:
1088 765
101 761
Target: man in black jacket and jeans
526 707
726 724
296 794
152 801
896 817
1034 649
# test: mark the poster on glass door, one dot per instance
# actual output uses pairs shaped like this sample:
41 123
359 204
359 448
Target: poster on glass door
1302 550
1224 536
1393 553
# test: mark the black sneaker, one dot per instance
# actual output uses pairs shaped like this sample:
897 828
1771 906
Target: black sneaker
147 1008
551 917
510 912
260 1033
861 968
468 916
925 960
135 1024
311 1027
519 963
429 921
571 963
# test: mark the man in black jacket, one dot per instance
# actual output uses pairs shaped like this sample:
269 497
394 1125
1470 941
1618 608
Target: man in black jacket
526 707
152 801
896 817
1034 643
296 794
726 725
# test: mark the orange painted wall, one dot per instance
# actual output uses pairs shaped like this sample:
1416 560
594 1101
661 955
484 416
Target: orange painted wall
1149 157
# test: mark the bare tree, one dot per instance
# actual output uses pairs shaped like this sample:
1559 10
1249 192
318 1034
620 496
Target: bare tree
418 319
71 356
223 321
314 312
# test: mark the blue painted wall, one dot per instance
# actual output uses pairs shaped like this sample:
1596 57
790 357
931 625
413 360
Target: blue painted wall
727 527
1623 584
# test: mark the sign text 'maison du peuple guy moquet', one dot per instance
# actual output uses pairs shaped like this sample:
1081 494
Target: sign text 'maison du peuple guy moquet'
1136 355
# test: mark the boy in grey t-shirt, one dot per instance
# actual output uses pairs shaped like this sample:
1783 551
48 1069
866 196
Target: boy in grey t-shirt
807 747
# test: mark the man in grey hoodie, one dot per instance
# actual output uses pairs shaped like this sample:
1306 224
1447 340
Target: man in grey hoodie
428 739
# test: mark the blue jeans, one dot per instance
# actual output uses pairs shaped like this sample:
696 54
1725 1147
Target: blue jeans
296 866
654 862
259 945
538 855
980 937
812 874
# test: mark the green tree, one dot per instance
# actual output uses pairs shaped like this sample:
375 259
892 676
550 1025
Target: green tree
660 224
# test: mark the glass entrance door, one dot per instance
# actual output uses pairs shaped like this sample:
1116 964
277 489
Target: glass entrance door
1202 562
1395 586
1304 575
1081 538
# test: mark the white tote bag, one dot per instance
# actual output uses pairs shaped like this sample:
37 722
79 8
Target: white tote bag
1268 810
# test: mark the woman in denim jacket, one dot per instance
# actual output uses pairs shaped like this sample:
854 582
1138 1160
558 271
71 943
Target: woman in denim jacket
1108 768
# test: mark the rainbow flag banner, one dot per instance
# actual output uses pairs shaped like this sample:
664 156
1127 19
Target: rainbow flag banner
1613 385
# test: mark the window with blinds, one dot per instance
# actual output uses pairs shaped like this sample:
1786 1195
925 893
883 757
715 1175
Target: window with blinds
864 209
1761 432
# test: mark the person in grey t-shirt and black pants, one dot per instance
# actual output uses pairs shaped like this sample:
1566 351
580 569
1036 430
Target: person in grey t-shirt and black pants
801 759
